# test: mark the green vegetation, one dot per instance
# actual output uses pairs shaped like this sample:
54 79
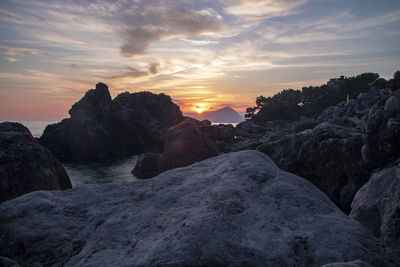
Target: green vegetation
291 104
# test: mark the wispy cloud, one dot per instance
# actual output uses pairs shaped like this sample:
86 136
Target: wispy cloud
16 51
12 59
262 9
192 50
131 72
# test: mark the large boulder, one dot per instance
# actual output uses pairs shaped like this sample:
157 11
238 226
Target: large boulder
328 156
186 143
377 206
235 209
25 165
100 128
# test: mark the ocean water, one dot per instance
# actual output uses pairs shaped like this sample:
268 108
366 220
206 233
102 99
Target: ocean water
36 127
95 172
101 172
90 173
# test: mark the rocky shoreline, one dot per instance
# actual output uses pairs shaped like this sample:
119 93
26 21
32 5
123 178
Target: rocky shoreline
234 206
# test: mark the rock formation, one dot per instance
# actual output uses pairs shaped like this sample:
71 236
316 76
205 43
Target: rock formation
25 165
328 156
100 128
335 150
377 206
381 132
235 209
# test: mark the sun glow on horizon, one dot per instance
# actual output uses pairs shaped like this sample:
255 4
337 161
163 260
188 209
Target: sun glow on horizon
200 107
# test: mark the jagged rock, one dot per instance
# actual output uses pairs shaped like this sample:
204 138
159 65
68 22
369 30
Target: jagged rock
249 135
235 209
303 124
146 165
93 106
328 156
100 128
381 132
377 206
25 165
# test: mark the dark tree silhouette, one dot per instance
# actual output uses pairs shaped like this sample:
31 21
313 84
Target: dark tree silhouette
290 104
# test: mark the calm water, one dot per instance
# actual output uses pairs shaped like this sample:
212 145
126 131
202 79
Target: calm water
101 172
36 127
93 173
90 173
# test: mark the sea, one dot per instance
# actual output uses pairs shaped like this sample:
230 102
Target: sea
94 172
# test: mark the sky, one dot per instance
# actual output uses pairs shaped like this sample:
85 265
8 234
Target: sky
210 53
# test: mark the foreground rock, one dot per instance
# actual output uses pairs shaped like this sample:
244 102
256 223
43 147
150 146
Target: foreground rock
186 143
235 209
377 206
25 165
100 128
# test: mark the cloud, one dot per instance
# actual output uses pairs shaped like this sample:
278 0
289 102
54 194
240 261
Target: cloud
199 42
152 69
74 66
262 9
17 52
12 59
162 22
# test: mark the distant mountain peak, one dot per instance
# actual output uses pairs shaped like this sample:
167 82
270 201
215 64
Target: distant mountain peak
223 115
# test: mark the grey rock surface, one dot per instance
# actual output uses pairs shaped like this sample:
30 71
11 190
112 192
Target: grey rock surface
99 127
328 156
356 263
377 206
25 165
235 209
381 134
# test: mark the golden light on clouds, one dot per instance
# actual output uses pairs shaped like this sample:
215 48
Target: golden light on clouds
206 55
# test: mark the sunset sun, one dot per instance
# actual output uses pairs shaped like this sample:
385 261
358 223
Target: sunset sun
200 107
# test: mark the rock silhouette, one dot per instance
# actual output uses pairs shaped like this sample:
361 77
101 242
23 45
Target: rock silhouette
101 128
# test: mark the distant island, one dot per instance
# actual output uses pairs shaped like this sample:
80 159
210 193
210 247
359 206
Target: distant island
222 115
